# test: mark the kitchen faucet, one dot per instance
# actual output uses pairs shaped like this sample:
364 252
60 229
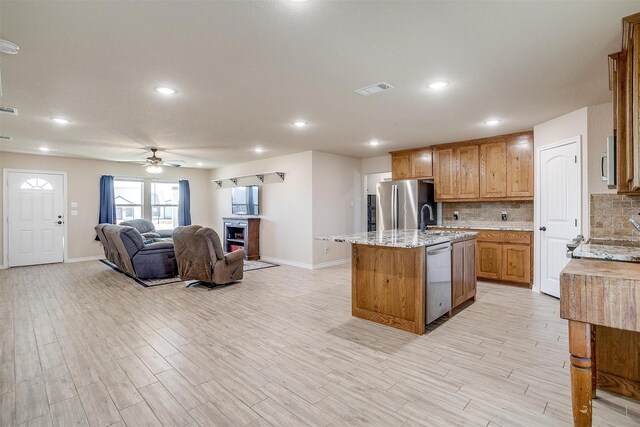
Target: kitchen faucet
426 205
635 223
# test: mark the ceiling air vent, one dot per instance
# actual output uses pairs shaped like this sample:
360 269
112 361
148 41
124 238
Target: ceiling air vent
370 90
6 138
8 110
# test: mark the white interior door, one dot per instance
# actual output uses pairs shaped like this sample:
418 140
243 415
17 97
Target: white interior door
560 196
35 218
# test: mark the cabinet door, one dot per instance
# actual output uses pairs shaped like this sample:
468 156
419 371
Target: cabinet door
493 170
468 171
458 271
401 166
520 167
470 278
516 263
445 179
422 164
488 260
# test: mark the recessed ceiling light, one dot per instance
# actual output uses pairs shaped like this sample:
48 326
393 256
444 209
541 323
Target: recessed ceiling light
438 84
300 123
258 149
492 122
44 148
8 47
374 142
165 90
61 121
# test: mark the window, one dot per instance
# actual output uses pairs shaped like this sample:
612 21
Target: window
128 195
164 205
36 184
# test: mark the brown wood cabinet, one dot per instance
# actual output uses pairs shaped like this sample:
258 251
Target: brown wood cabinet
493 169
624 82
412 164
504 256
499 168
463 272
242 233
422 164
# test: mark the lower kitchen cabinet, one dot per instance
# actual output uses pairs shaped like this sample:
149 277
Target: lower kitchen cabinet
516 265
463 272
489 260
501 256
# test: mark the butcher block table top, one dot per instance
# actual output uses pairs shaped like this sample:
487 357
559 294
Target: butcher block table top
605 293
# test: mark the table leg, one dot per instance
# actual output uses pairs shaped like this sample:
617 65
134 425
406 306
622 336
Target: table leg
581 373
594 369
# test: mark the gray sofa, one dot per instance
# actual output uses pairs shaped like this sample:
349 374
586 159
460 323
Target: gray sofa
126 248
200 257
147 229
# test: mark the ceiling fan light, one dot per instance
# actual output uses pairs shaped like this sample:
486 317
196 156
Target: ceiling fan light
154 169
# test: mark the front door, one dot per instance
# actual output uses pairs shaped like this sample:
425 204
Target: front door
35 218
559 211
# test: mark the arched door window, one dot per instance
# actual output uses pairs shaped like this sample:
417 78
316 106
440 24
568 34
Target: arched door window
36 184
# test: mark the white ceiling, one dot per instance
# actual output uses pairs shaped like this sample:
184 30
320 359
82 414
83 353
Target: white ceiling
245 70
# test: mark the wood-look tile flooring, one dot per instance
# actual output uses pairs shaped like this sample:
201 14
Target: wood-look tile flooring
80 344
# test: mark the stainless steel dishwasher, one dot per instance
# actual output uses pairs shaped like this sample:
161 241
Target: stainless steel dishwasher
437 281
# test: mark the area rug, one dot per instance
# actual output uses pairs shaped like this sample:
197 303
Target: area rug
257 265
147 283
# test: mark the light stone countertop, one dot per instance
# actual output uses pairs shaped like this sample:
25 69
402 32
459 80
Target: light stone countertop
489 225
400 238
608 252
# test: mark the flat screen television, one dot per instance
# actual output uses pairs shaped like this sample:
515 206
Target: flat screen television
245 200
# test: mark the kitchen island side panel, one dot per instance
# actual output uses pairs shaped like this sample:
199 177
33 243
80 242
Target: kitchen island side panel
388 286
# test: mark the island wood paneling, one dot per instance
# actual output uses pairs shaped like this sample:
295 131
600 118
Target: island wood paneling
463 272
388 286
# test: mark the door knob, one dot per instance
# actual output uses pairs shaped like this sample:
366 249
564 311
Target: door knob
543 228
59 222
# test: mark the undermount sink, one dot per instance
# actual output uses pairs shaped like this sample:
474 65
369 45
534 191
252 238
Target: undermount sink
614 242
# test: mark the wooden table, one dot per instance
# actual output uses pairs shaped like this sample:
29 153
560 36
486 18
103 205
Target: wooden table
601 301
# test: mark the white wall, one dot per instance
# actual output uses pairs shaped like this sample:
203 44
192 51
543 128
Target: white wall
83 187
319 196
592 125
600 126
286 233
337 198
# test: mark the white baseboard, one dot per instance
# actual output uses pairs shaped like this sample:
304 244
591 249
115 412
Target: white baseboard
307 266
287 262
331 263
85 258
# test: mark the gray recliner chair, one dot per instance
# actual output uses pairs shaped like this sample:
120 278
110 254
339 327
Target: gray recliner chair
126 248
147 229
200 257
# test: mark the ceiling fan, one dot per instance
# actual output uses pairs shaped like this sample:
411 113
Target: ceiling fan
154 163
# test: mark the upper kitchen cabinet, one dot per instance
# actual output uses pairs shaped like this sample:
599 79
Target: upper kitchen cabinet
493 169
624 82
520 166
499 168
468 172
412 164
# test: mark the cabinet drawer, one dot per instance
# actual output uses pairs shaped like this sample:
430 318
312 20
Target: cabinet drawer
523 237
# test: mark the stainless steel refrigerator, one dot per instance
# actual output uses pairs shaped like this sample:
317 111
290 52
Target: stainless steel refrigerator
399 204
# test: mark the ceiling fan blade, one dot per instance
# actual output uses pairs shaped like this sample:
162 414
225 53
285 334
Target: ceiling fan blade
171 165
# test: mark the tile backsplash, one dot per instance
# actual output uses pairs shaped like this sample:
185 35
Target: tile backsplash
477 212
610 213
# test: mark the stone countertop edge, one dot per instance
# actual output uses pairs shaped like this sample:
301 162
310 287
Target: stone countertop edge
397 239
487 227
606 252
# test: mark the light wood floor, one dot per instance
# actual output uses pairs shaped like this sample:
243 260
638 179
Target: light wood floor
82 344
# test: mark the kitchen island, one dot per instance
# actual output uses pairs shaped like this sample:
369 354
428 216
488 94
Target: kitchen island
389 273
